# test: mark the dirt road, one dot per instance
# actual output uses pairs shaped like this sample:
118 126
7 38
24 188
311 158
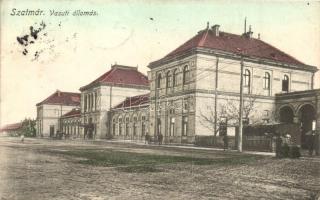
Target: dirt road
39 169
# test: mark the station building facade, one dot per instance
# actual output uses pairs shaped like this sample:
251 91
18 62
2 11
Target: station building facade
193 89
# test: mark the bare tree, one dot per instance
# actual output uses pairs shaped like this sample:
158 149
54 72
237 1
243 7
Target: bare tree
228 110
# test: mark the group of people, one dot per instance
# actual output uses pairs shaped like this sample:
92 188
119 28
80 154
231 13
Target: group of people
312 142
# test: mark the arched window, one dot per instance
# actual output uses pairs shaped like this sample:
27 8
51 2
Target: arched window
134 126
120 126
127 126
266 81
246 78
175 77
114 126
169 79
143 125
186 73
159 81
285 83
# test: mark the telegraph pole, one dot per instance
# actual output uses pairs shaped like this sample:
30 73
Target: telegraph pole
240 107
216 98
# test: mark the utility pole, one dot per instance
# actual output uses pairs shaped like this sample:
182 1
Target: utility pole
216 98
240 107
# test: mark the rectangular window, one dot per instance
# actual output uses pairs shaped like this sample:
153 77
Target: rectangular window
285 83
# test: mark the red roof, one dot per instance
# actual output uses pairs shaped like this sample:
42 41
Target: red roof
139 100
11 127
72 113
233 43
63 98
120 74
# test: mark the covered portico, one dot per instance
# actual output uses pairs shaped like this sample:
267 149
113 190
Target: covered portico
302 107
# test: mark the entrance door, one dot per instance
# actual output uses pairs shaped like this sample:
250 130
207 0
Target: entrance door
307 116
51 131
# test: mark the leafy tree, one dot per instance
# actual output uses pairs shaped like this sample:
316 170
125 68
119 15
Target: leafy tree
28 128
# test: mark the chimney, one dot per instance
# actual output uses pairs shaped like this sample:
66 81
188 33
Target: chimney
259 36
250 32
59 93
215 29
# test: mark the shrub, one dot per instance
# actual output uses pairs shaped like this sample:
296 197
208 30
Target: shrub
294 152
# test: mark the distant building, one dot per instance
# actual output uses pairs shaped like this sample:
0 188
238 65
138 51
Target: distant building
11 129
51 109
107 91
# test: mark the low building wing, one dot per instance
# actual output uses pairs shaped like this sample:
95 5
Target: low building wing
62 98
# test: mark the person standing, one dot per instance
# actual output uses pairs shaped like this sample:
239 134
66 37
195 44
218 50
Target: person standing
146 138
310 141
160 138
278 145
316 142
22 138
225 142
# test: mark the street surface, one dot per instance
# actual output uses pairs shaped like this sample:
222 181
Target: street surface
50 169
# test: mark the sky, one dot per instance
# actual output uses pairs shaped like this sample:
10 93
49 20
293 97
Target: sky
71 51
